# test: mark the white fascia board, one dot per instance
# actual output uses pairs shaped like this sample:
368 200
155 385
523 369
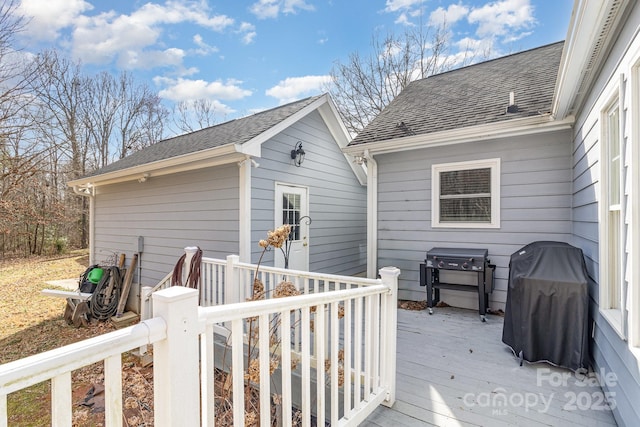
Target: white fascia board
206 158
506 129
336 126
340 134
577 67
253 146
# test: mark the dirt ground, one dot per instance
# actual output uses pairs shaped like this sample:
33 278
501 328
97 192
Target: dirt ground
32 323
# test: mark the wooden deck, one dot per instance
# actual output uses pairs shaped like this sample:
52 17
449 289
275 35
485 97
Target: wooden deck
454 370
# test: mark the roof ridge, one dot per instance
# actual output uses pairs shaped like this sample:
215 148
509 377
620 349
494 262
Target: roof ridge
248 116
466 67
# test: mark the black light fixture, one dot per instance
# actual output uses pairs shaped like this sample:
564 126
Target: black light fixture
297 154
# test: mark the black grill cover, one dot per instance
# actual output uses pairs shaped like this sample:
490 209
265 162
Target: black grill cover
546 315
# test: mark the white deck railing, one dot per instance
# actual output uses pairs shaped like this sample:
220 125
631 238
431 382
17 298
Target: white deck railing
341 331
229 281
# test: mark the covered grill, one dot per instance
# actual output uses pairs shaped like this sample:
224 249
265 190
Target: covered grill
546 315
473 261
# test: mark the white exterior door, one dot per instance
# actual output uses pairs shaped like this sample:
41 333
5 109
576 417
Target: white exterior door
292 207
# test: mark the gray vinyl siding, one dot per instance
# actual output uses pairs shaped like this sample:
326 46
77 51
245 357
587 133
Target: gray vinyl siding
337 201
535 188
611 354
198 208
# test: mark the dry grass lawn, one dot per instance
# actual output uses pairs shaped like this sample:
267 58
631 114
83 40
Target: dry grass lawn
32 323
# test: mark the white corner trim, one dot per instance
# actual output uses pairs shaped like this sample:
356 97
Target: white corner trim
372 216
244 211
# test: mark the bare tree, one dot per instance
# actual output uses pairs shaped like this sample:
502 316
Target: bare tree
141 116
193 115
365 84
15 75
91 121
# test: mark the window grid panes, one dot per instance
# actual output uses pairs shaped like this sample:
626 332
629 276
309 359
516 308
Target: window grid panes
291 213
614 230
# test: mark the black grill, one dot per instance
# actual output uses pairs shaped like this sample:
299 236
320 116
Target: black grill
473 261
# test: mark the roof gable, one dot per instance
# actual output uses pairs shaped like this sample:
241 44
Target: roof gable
470 96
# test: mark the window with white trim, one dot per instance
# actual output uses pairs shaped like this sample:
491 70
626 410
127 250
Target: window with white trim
466 194
612 226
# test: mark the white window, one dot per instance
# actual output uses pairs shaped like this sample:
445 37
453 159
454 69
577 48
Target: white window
466 194
612 225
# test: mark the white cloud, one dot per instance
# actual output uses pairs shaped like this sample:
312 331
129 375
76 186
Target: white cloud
101 38
290 6
502 18
397 5
203 47
403 19
293 88
248 32
265 9
188 89
448 16
47 17
132 59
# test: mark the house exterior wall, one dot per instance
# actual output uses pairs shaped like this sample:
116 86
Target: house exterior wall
337 201
196 208
614 352
535 188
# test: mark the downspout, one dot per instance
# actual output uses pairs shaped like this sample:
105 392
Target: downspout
372 215
90 192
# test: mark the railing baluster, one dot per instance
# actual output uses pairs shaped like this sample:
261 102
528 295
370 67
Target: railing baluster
61 399
3 410
285 345
265 368
237 371
207 376
305 365
320 355
367 350
113 390
357 361
347 345
335 337
375 332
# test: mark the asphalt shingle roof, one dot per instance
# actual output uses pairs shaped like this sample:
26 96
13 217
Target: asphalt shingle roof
236 131
473 95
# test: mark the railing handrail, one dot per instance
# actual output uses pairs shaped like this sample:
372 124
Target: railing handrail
300 273
235 311
164 280
40 367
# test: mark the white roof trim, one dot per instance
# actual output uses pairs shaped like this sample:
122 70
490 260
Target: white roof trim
591 29
205 158
510 128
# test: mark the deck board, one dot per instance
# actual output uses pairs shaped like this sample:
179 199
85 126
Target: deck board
452 369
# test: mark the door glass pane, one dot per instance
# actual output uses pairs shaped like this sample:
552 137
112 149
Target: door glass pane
291 214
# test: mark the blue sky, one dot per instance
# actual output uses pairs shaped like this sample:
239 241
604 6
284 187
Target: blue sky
250 55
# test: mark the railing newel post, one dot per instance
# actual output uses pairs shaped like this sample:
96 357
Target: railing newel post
389 277
176 374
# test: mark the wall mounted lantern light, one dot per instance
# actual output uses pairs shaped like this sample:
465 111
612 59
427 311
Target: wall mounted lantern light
297 154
